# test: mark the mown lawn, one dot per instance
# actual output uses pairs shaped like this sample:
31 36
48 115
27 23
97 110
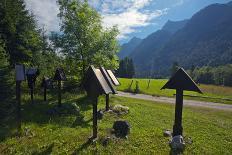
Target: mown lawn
210 91
210 130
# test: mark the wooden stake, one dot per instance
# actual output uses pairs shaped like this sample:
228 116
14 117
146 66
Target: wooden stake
18 100
107 102
177 128
45 92
59 93
95 118
32 95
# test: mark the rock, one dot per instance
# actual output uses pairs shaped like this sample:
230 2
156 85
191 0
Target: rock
167 133
121 128
189 140
100 114
177 143
106 141
119 109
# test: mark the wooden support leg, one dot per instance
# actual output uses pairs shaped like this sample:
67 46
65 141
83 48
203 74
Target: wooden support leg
18 100
45 93
177 128
107 102
95 119
59 93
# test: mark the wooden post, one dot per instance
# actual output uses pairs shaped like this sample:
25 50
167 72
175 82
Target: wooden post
18 100
177 128
59 93
148 83
32 94
95 118
45 92
107 102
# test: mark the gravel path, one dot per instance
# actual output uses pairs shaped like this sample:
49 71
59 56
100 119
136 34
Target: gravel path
212 105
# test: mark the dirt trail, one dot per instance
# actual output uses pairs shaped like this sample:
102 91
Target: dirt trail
212 105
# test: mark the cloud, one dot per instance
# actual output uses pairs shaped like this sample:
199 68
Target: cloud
130 17
45 12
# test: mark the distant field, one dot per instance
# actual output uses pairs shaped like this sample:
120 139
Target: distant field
212 93
209 129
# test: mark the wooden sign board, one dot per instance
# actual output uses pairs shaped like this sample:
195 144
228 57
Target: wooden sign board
181 80
20 72
113 78
60 75
108 79
95 84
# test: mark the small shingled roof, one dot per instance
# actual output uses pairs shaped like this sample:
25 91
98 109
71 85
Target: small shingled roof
181 80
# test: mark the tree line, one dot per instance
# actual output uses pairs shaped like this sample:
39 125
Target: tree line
221 75
126 68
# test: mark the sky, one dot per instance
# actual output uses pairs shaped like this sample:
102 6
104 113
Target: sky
134 18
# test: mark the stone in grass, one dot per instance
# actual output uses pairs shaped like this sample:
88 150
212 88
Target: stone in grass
177 143
100 114
121 128
167 133
119 109
106 141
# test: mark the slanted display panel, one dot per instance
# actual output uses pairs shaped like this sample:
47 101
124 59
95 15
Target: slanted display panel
20 73
103 81
113 78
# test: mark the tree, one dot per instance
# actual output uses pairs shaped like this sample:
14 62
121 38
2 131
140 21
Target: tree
3 56
83 40
126 68
18 31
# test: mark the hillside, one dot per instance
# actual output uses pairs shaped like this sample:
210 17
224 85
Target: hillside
127 48
205 39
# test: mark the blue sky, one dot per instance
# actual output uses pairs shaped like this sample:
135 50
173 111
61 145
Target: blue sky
135 18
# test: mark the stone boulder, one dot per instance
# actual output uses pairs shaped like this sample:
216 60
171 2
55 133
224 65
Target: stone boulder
177 143
120 109
121 128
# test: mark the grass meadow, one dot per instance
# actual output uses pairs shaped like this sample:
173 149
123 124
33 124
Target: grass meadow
211 93
210 130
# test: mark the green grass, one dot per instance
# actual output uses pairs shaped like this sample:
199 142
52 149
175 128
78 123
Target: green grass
210 91
209 129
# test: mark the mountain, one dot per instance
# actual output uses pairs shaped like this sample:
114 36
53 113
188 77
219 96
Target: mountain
205 39
173 26
143 54
127 48
149 46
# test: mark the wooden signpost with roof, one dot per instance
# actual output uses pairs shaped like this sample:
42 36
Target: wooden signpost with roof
19 76
96 83
32 74
180 81
59 76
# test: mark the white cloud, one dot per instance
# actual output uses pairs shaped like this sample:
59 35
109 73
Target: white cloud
46 13
130 18
126 14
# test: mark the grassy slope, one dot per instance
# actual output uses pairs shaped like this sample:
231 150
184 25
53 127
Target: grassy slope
209 129
157 84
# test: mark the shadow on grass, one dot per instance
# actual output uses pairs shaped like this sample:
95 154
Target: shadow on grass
47 151
37 113
82 147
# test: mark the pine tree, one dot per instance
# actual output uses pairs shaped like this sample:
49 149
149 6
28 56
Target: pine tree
18 31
